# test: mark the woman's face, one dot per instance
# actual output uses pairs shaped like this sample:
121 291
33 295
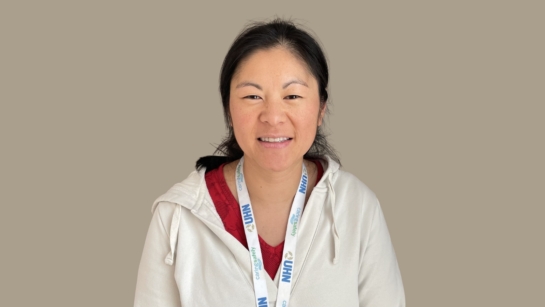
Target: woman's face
275 108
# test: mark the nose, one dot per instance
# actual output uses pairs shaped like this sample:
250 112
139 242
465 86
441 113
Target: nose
274 112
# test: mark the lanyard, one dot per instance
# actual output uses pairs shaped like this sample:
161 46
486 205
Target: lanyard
288 259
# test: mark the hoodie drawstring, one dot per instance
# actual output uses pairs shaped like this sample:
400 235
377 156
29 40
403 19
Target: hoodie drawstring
336 242
174 227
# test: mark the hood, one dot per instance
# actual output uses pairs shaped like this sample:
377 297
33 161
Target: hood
190 194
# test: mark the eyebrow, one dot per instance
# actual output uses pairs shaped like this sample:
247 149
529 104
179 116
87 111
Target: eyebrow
295 81
243 84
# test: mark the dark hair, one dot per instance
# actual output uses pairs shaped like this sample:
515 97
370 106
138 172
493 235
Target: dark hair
262 36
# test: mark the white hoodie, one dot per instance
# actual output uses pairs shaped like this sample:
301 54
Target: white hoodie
344 253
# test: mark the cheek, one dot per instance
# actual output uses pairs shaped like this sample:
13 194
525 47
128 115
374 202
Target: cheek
308 124
238 115
241 122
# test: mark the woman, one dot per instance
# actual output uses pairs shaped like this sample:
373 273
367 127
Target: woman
273 221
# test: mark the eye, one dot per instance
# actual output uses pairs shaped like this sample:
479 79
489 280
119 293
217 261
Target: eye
252 97
293 97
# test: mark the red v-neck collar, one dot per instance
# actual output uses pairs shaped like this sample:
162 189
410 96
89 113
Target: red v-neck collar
228 209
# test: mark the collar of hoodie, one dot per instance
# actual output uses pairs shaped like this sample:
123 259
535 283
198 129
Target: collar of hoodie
190 194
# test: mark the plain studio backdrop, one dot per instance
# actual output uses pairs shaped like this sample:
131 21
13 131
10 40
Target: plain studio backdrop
438 106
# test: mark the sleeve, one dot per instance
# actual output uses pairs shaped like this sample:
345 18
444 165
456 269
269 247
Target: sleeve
155 285
380 283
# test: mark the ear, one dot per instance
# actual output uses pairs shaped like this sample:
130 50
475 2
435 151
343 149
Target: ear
321 115
229 120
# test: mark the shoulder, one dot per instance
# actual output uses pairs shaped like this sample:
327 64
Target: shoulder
347 183
164 211
355 202
186 193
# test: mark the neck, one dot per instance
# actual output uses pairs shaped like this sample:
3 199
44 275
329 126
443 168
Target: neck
272 188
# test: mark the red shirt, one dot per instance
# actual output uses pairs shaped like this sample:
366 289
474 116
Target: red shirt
229 212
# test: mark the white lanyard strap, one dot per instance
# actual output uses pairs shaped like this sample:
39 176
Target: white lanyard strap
288 258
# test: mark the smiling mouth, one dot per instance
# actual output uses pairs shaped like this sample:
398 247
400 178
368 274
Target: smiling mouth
274 140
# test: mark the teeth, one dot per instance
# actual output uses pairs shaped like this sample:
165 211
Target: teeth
274 140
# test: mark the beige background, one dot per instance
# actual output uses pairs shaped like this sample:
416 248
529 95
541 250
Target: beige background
438 106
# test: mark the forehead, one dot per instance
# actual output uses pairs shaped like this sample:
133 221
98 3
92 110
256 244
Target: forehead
272 64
